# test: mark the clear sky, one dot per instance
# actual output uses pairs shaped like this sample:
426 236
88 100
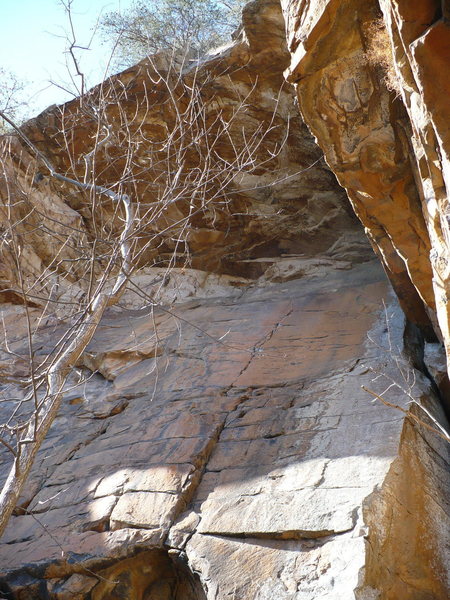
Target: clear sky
32 44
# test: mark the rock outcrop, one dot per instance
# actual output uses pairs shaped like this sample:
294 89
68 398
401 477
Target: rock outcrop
268 425
383 127
420 38
254 465
371 80
361 128
271 192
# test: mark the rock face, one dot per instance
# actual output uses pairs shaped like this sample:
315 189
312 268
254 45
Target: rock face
267 192
420 37
48 227
266 177
255 462
361 128
383 127
388 147
221 444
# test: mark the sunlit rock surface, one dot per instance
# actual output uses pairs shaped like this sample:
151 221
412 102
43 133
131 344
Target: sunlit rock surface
280 197
383 126
221 445
361 129
238 443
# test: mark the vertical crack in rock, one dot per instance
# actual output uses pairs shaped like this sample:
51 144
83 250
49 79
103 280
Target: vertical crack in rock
183 526
183 531
260 466
258 348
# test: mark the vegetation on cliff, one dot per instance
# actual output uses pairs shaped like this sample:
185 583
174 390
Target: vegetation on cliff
186 27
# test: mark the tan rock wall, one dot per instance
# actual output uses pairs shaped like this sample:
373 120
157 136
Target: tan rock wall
274 195
412 487
358 124
383 125
223 447
420 38
249 461
48 232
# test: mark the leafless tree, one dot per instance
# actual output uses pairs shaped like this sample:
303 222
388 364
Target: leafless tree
137 188
12 97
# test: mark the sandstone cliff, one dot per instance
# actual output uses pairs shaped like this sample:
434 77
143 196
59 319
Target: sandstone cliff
386 146
222 445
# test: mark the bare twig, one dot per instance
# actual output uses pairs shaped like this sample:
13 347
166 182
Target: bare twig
437 429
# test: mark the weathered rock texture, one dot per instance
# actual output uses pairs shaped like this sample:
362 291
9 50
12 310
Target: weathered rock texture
271 192
420 38
258 461
359 125
265 173
387 147
222 446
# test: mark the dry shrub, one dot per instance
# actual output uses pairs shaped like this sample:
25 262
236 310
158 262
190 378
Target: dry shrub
379 54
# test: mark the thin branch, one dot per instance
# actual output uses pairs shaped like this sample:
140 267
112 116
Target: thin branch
438 429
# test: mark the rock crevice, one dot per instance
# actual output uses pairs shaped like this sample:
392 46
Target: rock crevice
222 445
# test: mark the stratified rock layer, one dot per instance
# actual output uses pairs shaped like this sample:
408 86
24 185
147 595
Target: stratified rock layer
265 191
371 80
223 446
420 37
388 147
360 127
232 114
242 443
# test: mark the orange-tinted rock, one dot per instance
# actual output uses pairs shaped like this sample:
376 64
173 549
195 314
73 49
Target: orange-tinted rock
280 197
358 123
389 149
47 228
420 37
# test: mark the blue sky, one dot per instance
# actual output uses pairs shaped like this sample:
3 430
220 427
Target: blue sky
32 43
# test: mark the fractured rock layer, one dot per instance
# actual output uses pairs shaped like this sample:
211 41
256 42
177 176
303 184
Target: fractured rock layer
259 450
388 147
393 165
223 447
271 193
359 126
420 39
266 192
